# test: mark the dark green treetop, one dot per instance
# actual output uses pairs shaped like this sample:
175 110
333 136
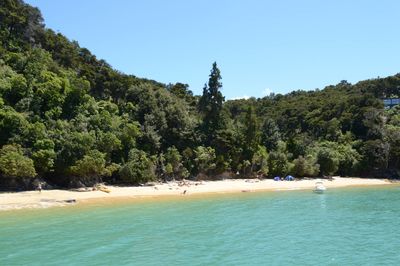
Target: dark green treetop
210 104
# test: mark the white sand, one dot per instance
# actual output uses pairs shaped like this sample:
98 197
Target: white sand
49 198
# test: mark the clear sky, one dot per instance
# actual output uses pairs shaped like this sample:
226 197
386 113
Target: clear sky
261 46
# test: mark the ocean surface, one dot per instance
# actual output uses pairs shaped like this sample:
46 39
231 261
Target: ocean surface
351 226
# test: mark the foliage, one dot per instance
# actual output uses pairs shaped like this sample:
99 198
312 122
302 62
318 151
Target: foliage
333 157
305 166
392 136
270 134
205 159
210 104
328 160
14 164
251 134
139 168
278 161
174 166
260 160
376 154
43 156
92 167
69 116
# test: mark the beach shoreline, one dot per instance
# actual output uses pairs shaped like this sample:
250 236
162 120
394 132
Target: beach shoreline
54 198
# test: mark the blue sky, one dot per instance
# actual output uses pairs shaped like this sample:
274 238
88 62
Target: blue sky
261 46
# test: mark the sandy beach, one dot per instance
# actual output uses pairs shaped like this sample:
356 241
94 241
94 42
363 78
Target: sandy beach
51 198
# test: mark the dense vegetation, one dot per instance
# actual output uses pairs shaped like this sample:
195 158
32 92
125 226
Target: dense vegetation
69 119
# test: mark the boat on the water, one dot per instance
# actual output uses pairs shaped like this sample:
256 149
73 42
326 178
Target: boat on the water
319 187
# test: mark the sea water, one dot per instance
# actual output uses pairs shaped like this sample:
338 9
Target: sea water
357 226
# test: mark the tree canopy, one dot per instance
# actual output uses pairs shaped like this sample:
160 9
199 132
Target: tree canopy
70 119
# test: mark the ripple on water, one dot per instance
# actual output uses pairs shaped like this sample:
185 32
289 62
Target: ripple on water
344 226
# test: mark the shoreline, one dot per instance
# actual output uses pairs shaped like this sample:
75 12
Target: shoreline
54 198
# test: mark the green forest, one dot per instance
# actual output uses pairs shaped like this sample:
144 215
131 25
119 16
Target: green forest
69 119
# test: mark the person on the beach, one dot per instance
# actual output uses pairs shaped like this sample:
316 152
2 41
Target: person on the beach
39 187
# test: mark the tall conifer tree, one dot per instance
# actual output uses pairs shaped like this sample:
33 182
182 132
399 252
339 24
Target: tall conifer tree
210 104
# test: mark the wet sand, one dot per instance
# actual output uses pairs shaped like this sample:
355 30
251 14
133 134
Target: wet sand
51 198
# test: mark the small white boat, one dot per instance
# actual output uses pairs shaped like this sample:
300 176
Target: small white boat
319 187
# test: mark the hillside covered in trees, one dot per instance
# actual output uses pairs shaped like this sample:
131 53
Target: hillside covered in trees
70 119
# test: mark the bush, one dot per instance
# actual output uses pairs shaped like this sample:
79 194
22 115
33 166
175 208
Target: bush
278 163
260 160
376 154
139 168
14 165
328 159
333 157
92 167
205 159
174 167
305 166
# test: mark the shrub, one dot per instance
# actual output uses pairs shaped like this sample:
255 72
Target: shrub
13 163
139 168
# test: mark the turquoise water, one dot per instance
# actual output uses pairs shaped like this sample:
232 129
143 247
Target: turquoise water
358 226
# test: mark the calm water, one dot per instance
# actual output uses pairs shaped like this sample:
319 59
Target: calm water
358 226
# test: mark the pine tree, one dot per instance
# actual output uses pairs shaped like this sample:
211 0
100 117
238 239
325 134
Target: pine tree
210 105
